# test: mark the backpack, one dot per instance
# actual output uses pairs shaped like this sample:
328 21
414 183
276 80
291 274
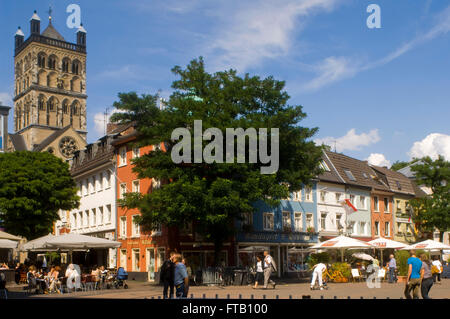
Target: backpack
274 265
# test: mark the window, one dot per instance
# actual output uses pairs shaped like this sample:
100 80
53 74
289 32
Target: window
398 208
362 228
338 197
352 199
323 195
100 216
268 221
136 228
94 217
338 222
100 182
362 202
323 217
75 225
123 258
247 219
123 156
93 184
136 152
399 228
377 228
298 223
123 190
386 205
135 259
123 226
286 220
308 194
349 175
108 179
365 175
86 219
158 230
309 221
387 229
375 204
108 214
80 220
297 196
399 186
324 166
136 186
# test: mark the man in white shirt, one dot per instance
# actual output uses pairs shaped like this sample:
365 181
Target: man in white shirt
73 274
269 264
318 269
436 262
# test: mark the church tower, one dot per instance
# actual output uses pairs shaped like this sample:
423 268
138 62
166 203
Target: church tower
50 90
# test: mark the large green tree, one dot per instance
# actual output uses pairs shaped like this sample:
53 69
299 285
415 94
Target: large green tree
433 211
33 187
213 195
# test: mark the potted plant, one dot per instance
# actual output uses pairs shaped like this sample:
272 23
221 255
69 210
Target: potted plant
310 230
401 258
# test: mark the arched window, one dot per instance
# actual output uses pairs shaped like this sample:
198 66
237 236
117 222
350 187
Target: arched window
41 60
76 67
52 62
65 107
41 103
65 65
75 108
51 104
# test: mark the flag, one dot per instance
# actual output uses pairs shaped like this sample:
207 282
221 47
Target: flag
348 206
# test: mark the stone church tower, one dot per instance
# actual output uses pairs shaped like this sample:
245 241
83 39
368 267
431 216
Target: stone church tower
50 91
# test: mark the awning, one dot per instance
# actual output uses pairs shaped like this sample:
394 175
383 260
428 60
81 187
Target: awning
4 235
8 244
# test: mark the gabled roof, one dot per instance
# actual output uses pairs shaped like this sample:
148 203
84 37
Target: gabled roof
363 174
18 142
50 139
51 32
396 181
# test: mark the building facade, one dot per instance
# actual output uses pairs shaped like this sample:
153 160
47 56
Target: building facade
286 231
93 170
4 112
50 91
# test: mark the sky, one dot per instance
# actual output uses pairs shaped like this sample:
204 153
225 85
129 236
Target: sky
377 94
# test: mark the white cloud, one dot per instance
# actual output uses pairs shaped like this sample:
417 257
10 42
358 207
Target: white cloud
260 30
350 141
6 99
432 145
126 71
378 160
333 69
99 123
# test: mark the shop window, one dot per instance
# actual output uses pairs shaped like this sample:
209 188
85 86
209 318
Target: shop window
268 221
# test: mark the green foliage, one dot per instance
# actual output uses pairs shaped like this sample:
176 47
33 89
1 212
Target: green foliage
344 268
214 195
318 258
401 258
33 187
433 211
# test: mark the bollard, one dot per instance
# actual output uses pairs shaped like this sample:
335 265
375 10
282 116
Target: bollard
348 297
204 296
335 297
192 296
321 297
159 297
388 298
240 296
251 297
264 296
290 296
228 296
374 297
217 296
153 297
361 297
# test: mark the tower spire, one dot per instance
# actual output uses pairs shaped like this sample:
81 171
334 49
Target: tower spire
50 11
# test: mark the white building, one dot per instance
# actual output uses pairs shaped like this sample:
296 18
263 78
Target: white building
93 170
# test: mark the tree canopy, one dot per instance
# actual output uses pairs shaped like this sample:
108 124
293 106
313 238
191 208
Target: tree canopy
213 194
433 211
33 187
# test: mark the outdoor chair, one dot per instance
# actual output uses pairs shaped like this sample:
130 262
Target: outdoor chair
23 278
32 284
356 275
63 285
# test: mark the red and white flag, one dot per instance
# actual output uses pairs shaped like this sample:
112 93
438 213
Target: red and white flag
348 206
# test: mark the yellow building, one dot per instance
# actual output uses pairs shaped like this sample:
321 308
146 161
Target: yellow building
50 91
404 227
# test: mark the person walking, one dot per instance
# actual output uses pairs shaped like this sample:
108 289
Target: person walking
413 278
426 276
318 270
167 276
436 269
259 271
392 268
269 265
181 279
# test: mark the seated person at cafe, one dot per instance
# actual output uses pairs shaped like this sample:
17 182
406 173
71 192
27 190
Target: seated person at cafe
54 279
73 277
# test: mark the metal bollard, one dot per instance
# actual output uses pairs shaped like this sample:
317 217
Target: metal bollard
217 296
374 297
321 297
290 296
361 297
153 297
251 297
388 298
335 297
159 297
204 296
277 297
228 296
240 296
264 296
348 297
192 296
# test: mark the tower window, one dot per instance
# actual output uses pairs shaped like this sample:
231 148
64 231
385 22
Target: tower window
65 108
41 104
41 61
51 105
65 65
75 68
52 63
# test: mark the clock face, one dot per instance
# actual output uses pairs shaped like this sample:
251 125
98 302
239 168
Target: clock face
67 146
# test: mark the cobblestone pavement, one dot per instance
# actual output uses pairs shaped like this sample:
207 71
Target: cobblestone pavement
142 290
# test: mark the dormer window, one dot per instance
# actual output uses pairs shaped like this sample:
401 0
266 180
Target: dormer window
399 186
349 175
324 166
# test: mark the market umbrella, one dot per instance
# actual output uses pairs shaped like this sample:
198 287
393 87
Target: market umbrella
4 235
427 245
342 243
8 244
38 244
77 241
363 256
384 243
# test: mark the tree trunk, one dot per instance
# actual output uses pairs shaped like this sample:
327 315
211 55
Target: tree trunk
441 236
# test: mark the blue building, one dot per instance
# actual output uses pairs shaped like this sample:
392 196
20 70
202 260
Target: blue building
286 230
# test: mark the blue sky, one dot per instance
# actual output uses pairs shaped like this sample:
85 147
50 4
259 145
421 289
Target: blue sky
381 94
